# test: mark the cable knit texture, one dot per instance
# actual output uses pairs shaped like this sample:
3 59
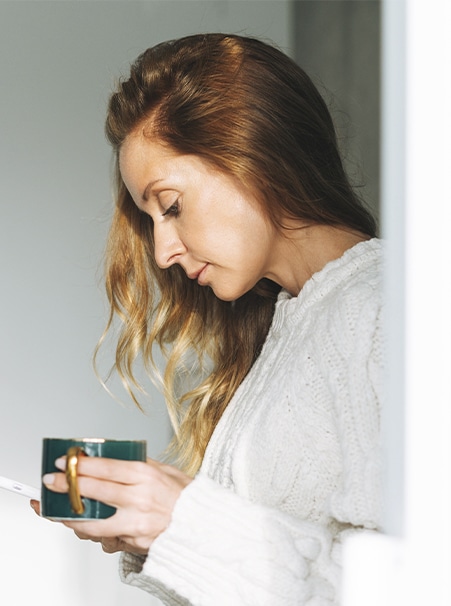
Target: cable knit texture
293 466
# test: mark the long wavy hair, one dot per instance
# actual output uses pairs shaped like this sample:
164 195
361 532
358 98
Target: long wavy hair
249 110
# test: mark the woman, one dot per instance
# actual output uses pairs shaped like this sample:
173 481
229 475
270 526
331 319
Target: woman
239 246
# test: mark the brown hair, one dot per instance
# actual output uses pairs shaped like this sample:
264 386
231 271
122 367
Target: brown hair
252 112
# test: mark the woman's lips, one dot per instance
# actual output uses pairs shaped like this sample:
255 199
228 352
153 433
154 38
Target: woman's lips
200 275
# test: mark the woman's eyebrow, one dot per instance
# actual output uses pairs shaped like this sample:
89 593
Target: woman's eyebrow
146 193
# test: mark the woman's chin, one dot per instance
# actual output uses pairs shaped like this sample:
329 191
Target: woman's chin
228 294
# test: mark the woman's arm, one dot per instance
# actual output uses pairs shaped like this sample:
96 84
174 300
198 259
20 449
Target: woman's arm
223 549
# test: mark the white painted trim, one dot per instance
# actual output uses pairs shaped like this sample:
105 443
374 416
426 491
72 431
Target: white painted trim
415 568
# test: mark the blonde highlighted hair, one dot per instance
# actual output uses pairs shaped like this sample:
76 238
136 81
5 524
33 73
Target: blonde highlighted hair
245 107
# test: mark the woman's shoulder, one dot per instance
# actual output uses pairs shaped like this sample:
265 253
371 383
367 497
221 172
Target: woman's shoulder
341 290
359 269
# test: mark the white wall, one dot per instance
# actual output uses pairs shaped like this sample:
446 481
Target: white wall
411 563
58 62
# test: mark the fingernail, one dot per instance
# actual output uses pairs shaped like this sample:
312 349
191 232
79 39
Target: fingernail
61 463
48 479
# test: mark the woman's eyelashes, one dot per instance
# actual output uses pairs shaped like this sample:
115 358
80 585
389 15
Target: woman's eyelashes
173 210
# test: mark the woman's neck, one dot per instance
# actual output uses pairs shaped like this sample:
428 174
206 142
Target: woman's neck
302 251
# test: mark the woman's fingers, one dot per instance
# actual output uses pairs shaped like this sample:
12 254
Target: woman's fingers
100 490
109 545
122 531
35 506
55 481
115 470
96 473
113 545
123 483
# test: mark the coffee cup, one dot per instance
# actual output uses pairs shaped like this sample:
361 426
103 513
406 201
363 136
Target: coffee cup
72 505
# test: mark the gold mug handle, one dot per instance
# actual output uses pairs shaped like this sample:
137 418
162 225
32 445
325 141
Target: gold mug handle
76 503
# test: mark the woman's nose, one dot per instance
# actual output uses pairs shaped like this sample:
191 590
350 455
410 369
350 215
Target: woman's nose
168 246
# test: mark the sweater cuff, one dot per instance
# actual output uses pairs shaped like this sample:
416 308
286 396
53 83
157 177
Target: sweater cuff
221 546
185 556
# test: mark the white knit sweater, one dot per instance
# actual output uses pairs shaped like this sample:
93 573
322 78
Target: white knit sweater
293 465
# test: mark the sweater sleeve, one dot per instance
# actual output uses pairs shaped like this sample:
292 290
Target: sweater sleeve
266 557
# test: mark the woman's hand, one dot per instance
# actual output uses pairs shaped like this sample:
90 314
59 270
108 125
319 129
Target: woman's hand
144 495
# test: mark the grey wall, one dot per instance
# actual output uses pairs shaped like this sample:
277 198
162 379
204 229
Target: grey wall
58 62
338 44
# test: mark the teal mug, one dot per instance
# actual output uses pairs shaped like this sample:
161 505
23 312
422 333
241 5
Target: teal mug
72 505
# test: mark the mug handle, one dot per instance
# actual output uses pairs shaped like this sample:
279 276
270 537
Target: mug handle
71 475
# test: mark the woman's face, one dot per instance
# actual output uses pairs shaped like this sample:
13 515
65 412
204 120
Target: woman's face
203 219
